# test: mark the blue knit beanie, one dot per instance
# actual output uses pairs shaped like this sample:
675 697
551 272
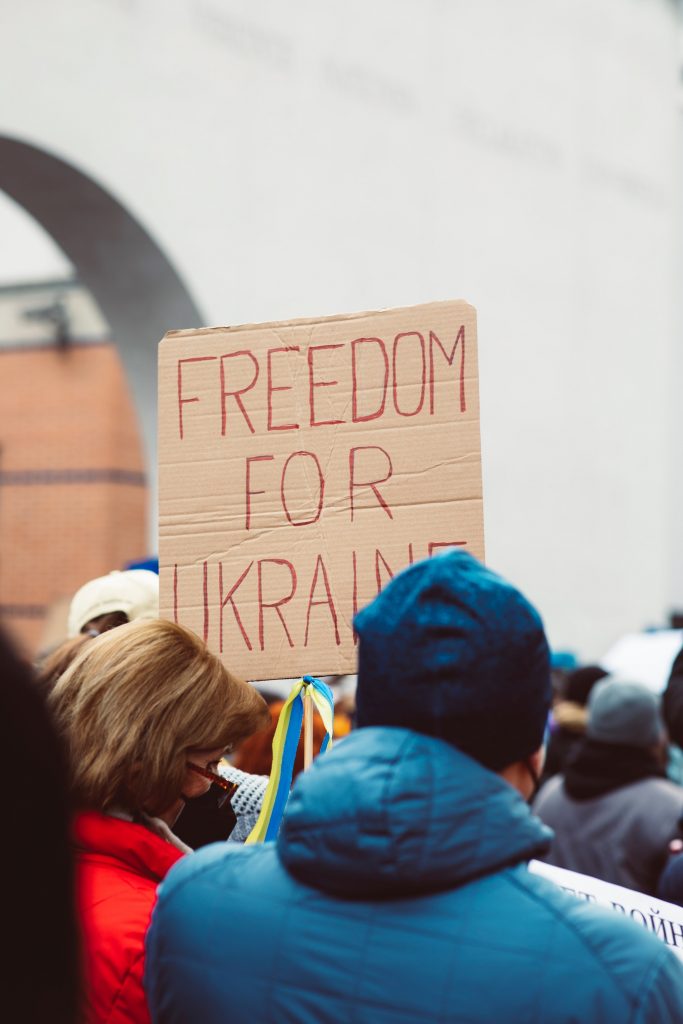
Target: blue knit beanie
450 649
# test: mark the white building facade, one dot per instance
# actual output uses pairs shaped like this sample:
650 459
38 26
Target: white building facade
313 158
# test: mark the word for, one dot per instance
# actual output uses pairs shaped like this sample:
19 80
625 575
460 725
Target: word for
374 377
272 600
363 462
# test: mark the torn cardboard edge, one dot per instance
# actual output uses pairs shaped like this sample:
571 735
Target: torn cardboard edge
307 321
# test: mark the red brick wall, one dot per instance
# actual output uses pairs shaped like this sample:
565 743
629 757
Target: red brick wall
72 482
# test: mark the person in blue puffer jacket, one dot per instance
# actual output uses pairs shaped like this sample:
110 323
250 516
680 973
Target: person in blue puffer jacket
398 888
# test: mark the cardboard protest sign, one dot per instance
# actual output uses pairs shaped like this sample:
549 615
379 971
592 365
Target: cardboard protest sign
301 465
665 920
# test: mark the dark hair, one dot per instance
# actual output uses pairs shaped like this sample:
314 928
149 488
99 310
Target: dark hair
672 701
102 623
36 862
581 681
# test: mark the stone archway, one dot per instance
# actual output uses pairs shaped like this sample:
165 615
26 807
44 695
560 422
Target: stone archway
135 285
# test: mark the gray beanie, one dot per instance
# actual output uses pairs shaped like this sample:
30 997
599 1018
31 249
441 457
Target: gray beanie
622 712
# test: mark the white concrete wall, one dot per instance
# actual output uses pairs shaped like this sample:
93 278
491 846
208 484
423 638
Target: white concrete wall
315 157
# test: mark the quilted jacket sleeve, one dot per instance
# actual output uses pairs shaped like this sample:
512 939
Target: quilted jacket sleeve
663 999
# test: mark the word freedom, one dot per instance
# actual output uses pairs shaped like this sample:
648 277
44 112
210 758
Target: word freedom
250 389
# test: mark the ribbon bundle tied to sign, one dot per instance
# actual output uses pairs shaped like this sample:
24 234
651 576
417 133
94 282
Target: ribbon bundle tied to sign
298 708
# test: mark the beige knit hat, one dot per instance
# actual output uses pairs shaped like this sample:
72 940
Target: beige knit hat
135 592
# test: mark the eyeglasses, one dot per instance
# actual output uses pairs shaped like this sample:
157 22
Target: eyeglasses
229 788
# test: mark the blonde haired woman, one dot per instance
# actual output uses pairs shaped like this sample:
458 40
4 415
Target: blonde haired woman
147 712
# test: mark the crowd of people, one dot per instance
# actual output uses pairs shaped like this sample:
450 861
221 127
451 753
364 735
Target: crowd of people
398 887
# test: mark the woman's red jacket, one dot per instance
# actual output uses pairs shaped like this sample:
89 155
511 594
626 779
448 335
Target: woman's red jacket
119 866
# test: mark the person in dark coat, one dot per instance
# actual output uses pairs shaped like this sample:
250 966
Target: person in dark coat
41 952
670 886
671 882
672 709
672 701
398 888
613 811
569 717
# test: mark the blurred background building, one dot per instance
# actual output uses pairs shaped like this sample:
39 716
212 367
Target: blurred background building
169 163
72 475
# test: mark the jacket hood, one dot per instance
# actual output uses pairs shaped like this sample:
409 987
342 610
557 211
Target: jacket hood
597 768
392 812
